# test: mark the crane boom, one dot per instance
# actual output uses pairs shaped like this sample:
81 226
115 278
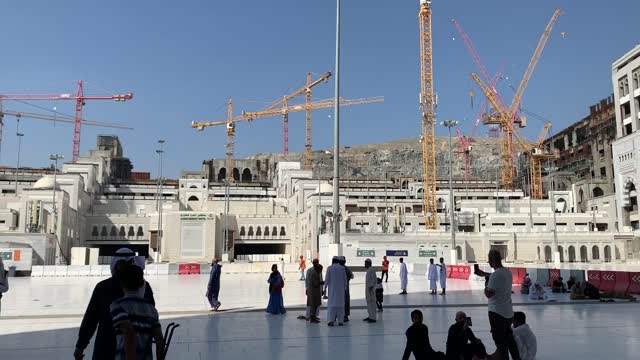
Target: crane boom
427 102
64 119
278 103
534 61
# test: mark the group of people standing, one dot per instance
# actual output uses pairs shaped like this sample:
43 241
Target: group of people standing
434 274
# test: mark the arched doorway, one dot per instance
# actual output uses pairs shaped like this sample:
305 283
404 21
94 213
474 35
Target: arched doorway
607 253
597 192
572 254
561 205
629 195
618 256
246 175
583 254
547 253
561 252
595 253
538 258
222 174
236 174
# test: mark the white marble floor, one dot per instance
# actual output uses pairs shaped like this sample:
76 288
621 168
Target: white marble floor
40 319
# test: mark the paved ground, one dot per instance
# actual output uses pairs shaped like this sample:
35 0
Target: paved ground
40 319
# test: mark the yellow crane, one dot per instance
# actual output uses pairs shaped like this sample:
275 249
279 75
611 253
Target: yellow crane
427 105
505 116
231 121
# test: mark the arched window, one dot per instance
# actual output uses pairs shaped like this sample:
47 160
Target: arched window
607 253
583 254
561 252
140 231
122 233
250 231
458 252
131 232
222 174
618 256
538 252
246 175
274 232
597 192
242 231
103 232
282 231
236 174
193 198
258 231
266 231
547 253
114 231
193 187
595 253
94 231
572 254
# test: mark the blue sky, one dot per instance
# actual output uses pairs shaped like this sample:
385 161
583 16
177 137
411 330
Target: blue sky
183 60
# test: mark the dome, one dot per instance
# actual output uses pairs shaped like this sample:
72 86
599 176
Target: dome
324 188
43 183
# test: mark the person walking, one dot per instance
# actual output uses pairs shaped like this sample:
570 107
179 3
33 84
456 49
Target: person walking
404 277
276 301
500 307
432 276
314 292
303 265
4 283
98 315
385 269
370 292
347 296
443 276
213 288
336 284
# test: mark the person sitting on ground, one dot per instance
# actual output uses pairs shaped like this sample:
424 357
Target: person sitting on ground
526 284
135 319
418 340
462 344
526 339
379 294
591 292
558 286
577 291
537 292
570 283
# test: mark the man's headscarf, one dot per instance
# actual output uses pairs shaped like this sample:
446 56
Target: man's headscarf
335 260
342 260
128 255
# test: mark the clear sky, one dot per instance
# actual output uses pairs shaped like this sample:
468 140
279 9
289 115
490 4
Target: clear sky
184 59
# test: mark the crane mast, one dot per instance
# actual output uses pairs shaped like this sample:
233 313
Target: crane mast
427 105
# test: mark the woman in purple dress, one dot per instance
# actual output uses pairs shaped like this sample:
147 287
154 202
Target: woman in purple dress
276 283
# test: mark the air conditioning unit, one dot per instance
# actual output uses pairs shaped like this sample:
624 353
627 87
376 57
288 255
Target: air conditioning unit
536 151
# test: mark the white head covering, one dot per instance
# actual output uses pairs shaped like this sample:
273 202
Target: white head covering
127 255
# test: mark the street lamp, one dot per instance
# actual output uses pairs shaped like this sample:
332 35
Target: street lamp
19 135
54 158
336 134
385 224
160 152
451 124
556 253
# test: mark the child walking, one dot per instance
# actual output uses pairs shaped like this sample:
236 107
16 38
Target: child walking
379 294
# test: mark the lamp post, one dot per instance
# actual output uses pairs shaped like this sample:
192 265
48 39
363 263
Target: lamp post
227 190
385 224
336 135
160 152
556 253
451 124
54 158
19 135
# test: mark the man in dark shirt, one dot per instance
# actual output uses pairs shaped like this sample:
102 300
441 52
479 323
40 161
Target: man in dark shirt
461 342
98 313
418 339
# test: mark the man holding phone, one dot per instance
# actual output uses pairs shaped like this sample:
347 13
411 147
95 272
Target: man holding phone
461 342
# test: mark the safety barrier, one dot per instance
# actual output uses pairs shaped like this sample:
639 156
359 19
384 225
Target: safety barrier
634 283
449 271
607 280
593 277
189 269
554 274
517 275
459 272
622 282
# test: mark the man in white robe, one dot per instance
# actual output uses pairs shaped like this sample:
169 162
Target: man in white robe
336 285
404 277
443 276
432 276
371 280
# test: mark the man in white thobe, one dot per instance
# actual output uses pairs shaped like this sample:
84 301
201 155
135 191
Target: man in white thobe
336 284
371 280
404 277
432 276
4 283
443 276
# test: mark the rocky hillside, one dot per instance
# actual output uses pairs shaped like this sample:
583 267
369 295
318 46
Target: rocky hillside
404 156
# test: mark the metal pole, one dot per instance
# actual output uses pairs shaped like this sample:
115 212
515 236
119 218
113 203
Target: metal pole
19 135
497 182
368 164
160 198
384 223
593 212
336 135
451 197
528 176
553 209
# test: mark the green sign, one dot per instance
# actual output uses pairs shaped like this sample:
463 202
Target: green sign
365 253
6 255
196 217
428 253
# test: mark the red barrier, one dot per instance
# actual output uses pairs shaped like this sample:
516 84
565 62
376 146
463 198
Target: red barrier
522 272
622 281
593 277
516 280
465 272
554 274
607 280
188 269
454 272
449 271
634 283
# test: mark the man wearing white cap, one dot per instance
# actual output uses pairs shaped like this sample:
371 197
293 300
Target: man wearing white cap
336 283
98 311
370 291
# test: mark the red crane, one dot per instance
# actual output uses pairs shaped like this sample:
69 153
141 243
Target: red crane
79 98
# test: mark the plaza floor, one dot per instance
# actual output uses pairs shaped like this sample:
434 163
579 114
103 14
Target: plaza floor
40 319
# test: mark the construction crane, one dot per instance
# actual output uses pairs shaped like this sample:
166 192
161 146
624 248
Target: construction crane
80 99
231 121
504 117
427 105
464 148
